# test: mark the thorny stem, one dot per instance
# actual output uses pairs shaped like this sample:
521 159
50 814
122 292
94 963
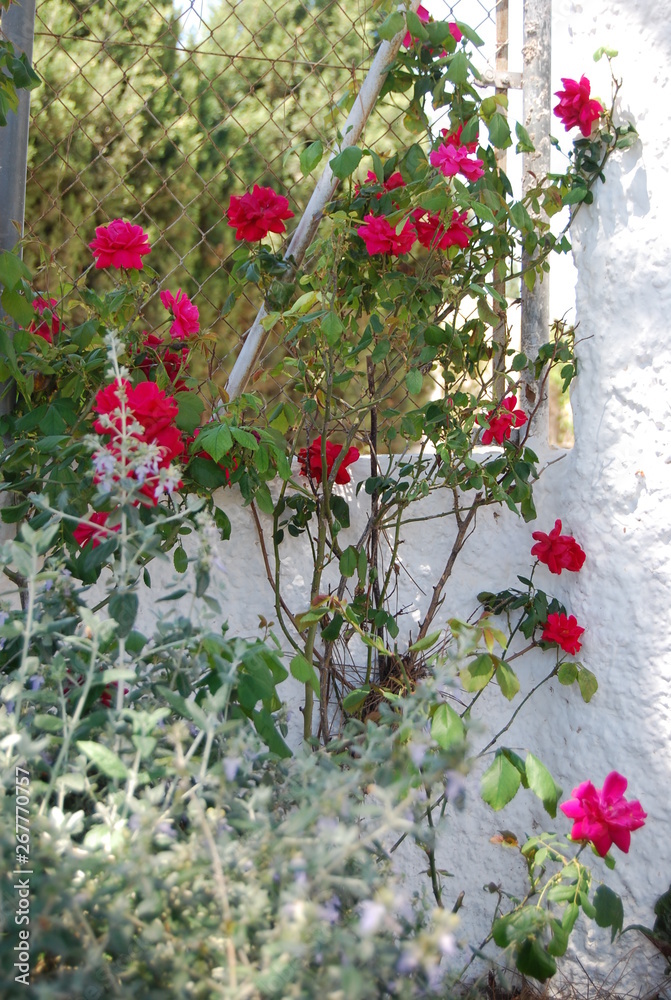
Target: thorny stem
464 524
517 711
431 856
69 730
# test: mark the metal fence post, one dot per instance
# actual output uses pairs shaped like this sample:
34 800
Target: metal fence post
536 52
17 25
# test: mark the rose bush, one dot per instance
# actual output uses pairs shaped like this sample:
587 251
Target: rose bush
115 449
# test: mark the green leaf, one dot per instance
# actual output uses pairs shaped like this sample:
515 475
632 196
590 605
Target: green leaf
413 381
180 560
264 500
216 440
265 727
207 473
478 673
349 561
333 328
355 698
186 709
458 69
609 910
380 351
191 409
499 131
48 723
332 630
567 673
244 438
304 672
223 523
104 759
570 916
542 784
500 782
507 680
415 26
532 960
559 942
389 28
12 270
17 306
345 163
575 195
587 683
311 157
340 510
603 50
426 642
123 607
447 728
520 218
524 145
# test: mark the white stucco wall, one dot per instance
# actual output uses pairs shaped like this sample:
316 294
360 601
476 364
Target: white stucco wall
612 491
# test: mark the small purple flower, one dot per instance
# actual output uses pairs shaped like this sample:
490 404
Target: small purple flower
371 916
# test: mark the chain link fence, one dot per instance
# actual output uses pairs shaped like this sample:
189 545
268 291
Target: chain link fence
159 113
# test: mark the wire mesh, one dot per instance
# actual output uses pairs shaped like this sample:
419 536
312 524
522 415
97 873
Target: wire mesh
159 113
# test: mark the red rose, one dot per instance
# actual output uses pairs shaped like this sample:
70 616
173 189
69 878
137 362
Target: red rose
311 461
173 364
604 816
49 327
452 160
148 404
120 244
433 235
184 313
93 530
381 237
558 551
258 213
501 421
563 631
575 106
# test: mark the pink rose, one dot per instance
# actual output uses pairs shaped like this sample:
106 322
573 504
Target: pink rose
184 312
575 106
452 160
120 244
453 138
455 31
425 17
381 237
604 816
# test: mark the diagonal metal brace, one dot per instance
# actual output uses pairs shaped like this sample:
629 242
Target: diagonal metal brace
256 336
